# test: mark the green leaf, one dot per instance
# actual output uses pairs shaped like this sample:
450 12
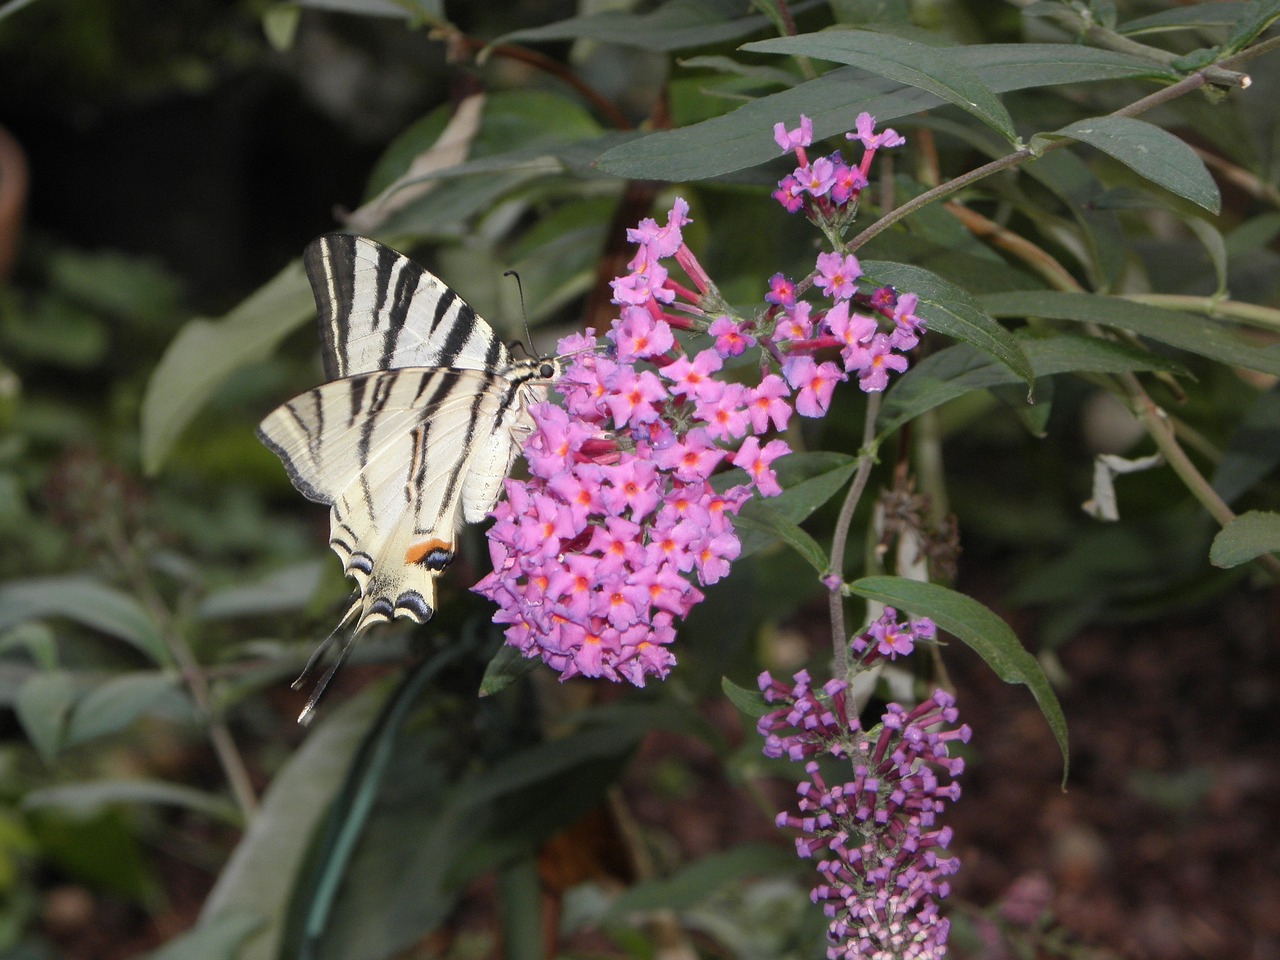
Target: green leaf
1197 334
506 667
1248 536
115 704
1219 14
37 639
547 760
750 702
261 874
762 518
216 940
959 370
206 352
1150 152
744 138
485 148
43 704
949 310
933 69
100 850
1254 449
283 591
675 25
1257 16
1215 246
520 910
809 480
88 603
769 76
982 631
351 807
92 794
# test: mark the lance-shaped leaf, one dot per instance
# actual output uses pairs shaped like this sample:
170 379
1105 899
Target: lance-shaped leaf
930 68
1194 333
833 101
981 630
87 602
1148 151
206 352
948 309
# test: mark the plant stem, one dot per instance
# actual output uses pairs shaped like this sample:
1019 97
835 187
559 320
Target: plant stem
1158 425
224 745
866 459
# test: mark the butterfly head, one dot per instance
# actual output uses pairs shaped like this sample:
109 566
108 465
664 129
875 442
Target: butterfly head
535 371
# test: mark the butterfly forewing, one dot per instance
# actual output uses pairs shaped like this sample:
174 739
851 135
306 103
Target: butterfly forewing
379 310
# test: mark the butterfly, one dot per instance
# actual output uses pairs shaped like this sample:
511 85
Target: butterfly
421 419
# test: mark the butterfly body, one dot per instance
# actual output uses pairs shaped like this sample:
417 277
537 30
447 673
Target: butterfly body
414 433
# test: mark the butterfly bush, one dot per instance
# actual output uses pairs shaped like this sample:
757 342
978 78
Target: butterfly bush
629 509
601 552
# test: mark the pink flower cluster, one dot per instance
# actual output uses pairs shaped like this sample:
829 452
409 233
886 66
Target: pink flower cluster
828 189
882 863
591 555
827 186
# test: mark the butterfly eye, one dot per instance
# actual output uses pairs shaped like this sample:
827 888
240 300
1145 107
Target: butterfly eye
547 371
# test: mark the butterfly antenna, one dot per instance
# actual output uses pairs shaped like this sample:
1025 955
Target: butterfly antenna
523 313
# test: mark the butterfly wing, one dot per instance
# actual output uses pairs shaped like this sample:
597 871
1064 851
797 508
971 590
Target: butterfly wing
403 457
378 310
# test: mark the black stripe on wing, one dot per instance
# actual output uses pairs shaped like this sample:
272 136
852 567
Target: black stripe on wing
330 265
378 310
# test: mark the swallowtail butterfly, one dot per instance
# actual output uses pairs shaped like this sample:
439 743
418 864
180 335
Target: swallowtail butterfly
424 412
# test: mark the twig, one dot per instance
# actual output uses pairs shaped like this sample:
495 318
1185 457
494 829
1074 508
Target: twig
835 577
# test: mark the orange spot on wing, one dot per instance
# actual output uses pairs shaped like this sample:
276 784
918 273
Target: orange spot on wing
417 551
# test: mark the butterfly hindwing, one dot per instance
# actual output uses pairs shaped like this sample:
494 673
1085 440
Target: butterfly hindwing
404 457
379 310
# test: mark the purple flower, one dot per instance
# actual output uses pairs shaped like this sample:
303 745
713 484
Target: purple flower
794 323
881 858
816 178
865 131
816 383
790 194
875 375
907 326
730 340
593 553
889 637
781 291
795 139
640 334
849 183
837 275
755 459
854 331
766 404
